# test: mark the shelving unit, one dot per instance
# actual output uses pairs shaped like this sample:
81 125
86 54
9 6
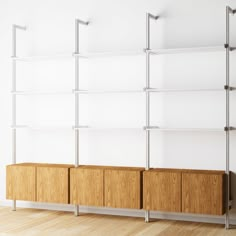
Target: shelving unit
227 88
106 174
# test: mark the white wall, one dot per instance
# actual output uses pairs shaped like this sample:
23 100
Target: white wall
117 25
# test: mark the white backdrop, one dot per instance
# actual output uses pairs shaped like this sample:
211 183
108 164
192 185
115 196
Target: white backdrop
117 25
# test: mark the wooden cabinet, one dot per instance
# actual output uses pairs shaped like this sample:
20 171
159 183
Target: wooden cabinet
172 190
38 182
187 191
203 192
21 182
123 187
86 186
53 183
162 190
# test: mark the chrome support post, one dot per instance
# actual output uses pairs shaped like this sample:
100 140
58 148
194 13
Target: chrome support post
77 23
148 17
14 28
227 121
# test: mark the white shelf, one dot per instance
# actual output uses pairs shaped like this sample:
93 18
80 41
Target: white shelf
43 127
114 91
119 53
156 128
186 50
157 90
42 92
100 91
109 54
106 128
80 55
59 127
45 57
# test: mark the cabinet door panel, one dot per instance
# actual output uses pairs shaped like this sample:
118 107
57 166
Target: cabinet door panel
21 182
203 193
53 184
123 189
162 191
86 186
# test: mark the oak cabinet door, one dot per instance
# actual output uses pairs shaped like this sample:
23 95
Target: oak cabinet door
21 182
203 193
123 188
86 186
162 190
53 184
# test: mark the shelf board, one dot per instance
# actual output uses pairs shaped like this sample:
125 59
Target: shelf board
42 92
52 127
157 90
116 91
186 50
77 55
109 54
68 92
100 91
47 57
119 53
43 127
156 128
106 128
85 127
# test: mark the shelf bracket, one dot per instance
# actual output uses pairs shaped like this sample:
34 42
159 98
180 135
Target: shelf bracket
231 11
226 87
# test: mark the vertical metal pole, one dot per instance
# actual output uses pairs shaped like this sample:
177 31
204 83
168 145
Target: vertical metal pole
148 17
13 103
227 217
77 22
76 102
147 213
14 28
147 93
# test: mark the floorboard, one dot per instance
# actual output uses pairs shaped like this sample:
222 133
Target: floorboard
34 222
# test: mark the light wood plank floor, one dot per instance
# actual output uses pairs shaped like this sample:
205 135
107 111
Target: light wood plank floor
32 222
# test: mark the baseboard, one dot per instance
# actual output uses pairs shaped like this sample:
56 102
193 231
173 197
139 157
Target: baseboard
124 212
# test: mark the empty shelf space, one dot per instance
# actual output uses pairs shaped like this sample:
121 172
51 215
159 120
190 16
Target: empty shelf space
186 50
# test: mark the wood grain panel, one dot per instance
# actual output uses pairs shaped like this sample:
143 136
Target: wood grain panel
53 184
162 190
21 182
203 193
86 186
123 188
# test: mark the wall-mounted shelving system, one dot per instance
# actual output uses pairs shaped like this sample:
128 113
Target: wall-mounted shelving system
148 128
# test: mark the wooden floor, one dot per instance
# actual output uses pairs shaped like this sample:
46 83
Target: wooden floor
31 222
